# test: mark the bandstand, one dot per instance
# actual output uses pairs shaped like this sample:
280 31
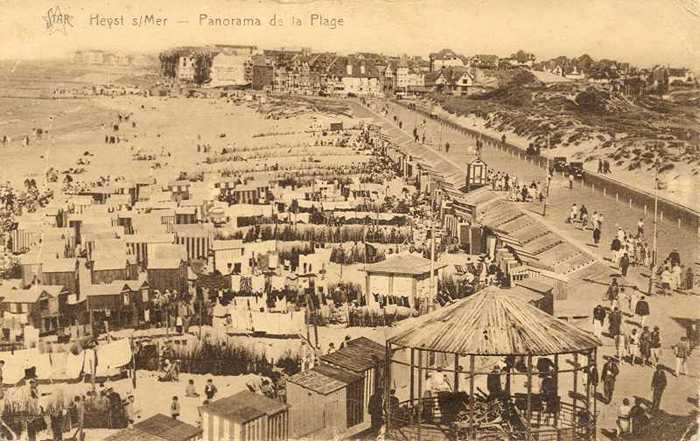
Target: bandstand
490 367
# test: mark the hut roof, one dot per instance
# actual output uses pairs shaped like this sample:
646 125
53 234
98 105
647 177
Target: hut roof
493 323
61 265
408 264
324 379
157 428
357 355
244 406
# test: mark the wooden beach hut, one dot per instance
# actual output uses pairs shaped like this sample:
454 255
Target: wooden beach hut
324 399
362 357
245 416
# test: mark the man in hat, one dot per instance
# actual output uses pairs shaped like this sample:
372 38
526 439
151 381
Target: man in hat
609 375
376 409
658 384
598 320
493 384
655 346
642 311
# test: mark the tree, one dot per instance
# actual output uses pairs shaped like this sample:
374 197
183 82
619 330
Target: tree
202 67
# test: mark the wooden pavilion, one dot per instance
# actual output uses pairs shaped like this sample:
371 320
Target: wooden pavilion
536 361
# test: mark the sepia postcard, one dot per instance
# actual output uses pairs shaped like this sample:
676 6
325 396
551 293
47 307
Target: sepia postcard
390 220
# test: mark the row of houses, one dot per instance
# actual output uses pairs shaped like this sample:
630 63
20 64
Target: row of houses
109 58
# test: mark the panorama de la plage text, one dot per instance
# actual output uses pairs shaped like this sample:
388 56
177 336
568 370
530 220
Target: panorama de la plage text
157 20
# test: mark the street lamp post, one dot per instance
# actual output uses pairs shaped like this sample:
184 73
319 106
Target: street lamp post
546 194
656 212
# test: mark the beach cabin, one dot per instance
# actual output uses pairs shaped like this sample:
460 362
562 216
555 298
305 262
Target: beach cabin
229 256
167 273
108 268
323 400
117 304
27 235
30 267
185 215
39 306
138 244
245 416
61 272
362 357
477 174
158 428
196 238
400 280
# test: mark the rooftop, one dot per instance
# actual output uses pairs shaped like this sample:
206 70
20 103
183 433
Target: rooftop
324 379
244 406
407 264
157 428
357 355
492 322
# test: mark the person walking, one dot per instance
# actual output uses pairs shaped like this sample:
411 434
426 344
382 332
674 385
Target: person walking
376 410
633 344
624 264
645 346
658 384
571 181
655 346
624 425
596 234
615 329
641 310
598 320
609 375
680 351
615 247
573 214
640 228
593 377
613 293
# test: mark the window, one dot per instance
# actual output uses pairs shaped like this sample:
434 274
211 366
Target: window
14 308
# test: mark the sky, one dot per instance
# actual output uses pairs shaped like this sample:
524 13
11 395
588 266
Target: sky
643 32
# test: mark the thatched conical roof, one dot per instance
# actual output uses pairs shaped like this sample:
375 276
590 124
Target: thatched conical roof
493 322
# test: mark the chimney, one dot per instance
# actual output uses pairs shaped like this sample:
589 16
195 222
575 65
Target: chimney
348 68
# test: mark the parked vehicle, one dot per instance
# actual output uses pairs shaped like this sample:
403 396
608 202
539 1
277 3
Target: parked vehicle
560 164
576 169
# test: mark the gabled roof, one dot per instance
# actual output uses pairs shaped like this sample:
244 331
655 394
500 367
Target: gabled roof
157 428
12 295
106 289
164 263
493 322
59 265
357 355
109 262
231 244
244 406
324 379
52 290
407 264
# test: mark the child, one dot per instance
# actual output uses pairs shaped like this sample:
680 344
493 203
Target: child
175 408
190 391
